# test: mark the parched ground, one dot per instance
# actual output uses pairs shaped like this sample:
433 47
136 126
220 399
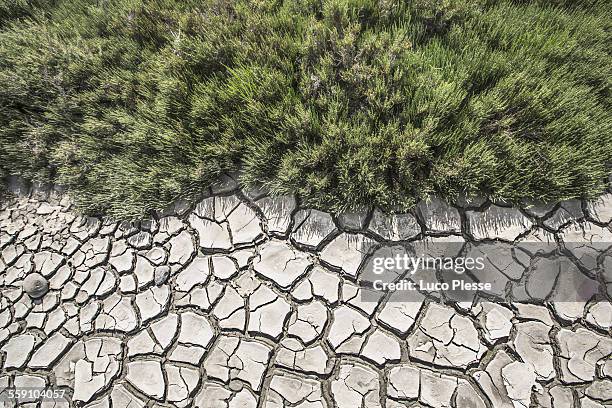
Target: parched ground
247 301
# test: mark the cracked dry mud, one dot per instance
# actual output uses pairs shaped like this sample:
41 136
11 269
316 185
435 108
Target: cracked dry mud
248 301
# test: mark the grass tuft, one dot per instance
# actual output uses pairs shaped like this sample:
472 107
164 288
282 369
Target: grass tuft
132 104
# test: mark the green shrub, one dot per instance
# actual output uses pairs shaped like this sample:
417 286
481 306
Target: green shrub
132 104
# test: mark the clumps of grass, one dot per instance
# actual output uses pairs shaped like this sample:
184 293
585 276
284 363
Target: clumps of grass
131 104
2 184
